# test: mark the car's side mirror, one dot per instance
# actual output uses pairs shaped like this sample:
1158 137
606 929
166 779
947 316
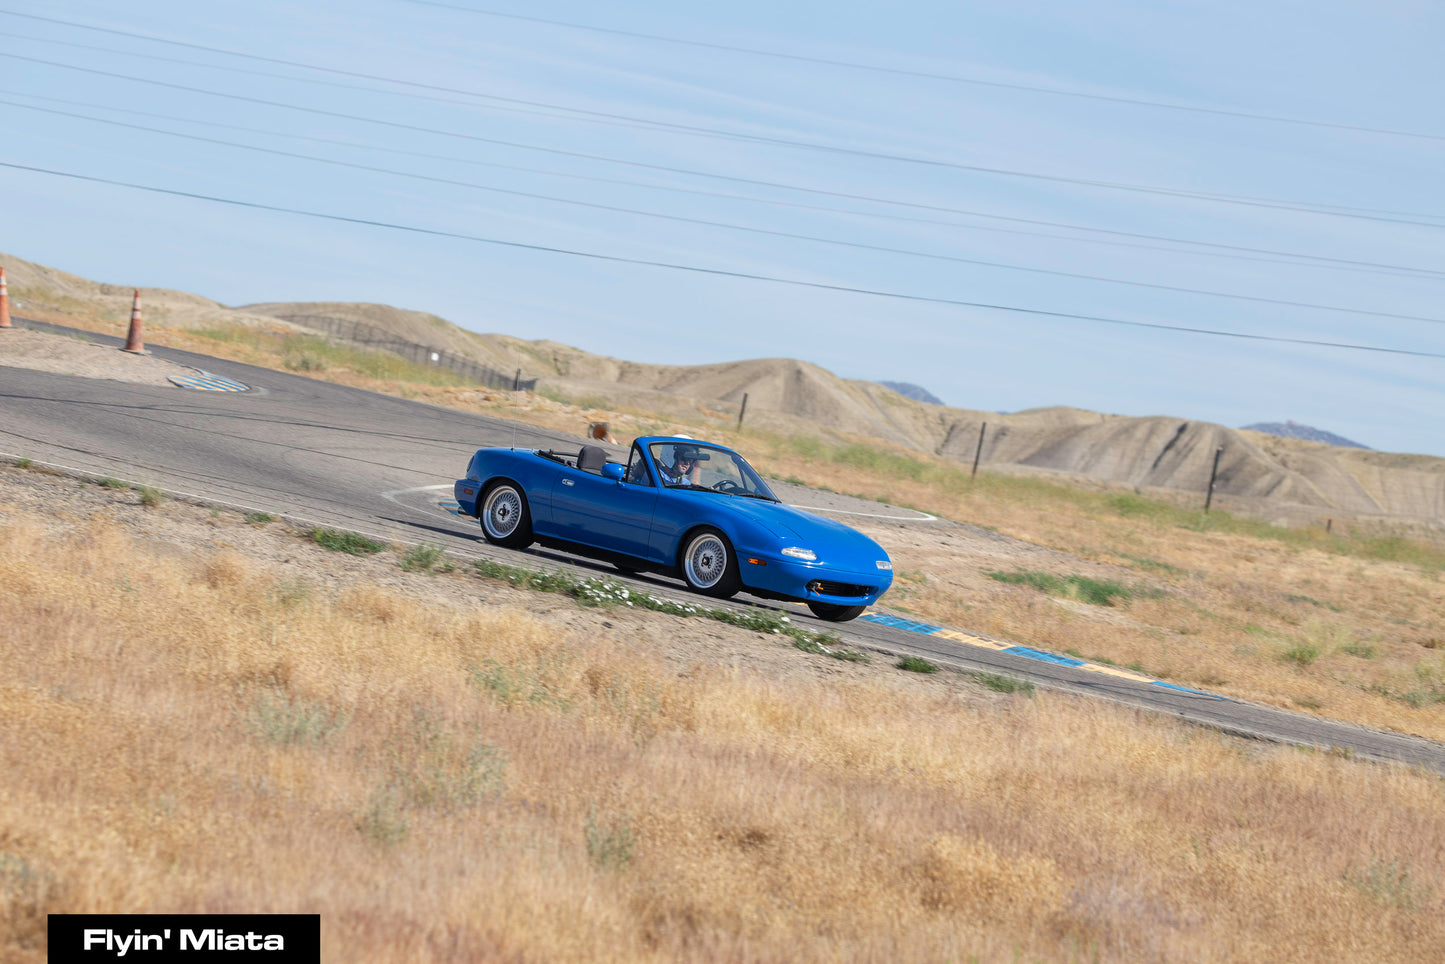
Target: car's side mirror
612 471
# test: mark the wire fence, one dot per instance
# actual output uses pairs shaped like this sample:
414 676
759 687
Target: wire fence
372 336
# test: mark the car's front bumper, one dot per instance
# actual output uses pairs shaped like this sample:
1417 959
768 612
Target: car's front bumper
813 581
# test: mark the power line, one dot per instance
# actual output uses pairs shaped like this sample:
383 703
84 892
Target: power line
1244 252
720 272
703 222
800 58
929 75
1346 211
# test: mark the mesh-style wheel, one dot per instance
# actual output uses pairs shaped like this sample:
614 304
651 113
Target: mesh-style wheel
708 564
505 519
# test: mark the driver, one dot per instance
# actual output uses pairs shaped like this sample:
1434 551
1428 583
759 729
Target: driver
685 468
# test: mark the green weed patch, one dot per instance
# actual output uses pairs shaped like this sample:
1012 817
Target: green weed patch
1098 592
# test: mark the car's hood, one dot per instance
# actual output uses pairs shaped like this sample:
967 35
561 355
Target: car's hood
823 535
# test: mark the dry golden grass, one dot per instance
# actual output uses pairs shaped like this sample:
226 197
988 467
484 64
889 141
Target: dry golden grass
472 784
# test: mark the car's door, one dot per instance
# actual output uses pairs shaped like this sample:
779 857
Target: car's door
609 514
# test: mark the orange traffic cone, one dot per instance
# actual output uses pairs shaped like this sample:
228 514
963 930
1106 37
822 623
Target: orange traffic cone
137 330
4 302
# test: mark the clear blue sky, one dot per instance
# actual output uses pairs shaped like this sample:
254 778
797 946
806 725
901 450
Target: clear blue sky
1281 161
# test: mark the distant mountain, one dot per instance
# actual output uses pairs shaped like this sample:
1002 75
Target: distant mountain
1306 432
916 392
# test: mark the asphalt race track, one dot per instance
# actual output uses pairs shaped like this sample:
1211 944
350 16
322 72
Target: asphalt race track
336 456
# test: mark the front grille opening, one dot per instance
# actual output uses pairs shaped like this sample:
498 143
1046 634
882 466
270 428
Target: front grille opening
845 589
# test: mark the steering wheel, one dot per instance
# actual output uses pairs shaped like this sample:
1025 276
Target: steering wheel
727 485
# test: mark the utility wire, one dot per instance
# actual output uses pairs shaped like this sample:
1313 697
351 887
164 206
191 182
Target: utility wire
703 222
1369 214
719 272
929 75
1245 253
558 112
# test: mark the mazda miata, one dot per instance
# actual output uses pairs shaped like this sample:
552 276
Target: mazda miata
680 507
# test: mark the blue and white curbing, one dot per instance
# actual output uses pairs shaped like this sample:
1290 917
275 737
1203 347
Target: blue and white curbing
207 382
1013 649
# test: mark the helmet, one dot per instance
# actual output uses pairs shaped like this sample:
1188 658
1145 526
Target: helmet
689 452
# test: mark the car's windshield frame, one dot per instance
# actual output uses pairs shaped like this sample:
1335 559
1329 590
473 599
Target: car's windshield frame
717 467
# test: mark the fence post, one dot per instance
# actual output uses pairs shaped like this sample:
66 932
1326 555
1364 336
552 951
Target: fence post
742 410
1213 473
517 380
978 451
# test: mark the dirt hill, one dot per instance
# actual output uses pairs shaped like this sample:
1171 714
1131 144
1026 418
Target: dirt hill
1281 478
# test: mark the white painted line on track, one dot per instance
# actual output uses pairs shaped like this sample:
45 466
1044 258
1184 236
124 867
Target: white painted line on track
392 497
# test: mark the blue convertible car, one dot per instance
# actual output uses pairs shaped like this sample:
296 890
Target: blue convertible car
681 507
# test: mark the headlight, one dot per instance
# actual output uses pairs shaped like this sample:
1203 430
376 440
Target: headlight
798 552
884 564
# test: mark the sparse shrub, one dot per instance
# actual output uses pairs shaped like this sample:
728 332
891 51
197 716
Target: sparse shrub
1302 654
305 361
291 592
349 542
1003 684
1360 649
23 463
438 776
109 482
1099 592
1391 884
511 685
286 720
610 845
1155 565
259 518
383 820
1129 504
422 558
826 644
150 497
916 664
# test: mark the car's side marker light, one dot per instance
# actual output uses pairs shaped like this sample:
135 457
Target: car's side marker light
758 562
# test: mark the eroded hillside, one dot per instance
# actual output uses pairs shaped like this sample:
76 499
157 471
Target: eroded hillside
1284 479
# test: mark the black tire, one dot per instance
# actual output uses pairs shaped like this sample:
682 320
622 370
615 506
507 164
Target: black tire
835 614
709 565
506 520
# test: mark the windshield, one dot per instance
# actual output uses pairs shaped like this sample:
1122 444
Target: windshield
699 465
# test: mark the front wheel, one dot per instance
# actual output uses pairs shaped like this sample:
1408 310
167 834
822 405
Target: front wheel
506 520
709 566
835 614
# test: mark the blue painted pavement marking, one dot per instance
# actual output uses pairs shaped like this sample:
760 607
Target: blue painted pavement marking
928 629
450 505
207 382
1045 656
898 622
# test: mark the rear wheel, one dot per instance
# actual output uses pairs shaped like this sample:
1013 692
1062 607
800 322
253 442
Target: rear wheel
505 519
835 614
709 566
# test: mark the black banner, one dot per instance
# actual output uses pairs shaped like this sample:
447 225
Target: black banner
189 938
